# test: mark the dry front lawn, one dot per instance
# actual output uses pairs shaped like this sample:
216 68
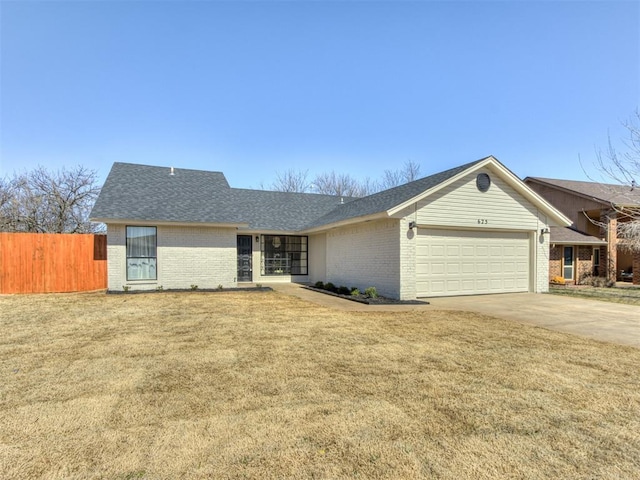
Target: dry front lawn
262 385
628 294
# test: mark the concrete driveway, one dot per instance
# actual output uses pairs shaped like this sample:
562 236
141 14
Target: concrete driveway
610 322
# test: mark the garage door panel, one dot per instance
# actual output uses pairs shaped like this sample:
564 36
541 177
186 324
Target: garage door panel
468 268
471 262
468 285
438 268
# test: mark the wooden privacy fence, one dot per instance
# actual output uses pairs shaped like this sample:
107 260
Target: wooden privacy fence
52 262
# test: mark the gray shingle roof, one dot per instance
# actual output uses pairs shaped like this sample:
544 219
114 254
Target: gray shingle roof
571 236
387 199
604 192
147 193
142 192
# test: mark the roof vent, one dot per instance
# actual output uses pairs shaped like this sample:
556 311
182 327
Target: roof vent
172 171
483 182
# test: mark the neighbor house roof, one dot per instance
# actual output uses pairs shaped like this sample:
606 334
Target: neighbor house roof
571 236
602 192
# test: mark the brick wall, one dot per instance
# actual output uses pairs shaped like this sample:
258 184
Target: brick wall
555 261
365 255
186 256
584 264
408 239
610 261
541 261
206 257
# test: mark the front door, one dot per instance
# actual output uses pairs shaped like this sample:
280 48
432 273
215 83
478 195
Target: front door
244 258
568 263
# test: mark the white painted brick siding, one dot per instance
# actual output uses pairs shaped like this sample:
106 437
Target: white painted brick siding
186 256
541 242
408 241
116 257
206 257
365 255
317 258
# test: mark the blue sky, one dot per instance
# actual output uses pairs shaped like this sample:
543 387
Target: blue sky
251 88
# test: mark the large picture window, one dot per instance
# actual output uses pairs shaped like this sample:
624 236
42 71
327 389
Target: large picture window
141 253
284 255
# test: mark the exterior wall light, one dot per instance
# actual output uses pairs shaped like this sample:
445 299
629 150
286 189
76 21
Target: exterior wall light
257 239
545 231
412 225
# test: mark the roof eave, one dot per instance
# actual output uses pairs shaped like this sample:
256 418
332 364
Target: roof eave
343 223
578 242
135 221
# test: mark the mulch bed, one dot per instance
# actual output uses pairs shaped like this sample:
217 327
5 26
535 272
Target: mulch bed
379 300
197 290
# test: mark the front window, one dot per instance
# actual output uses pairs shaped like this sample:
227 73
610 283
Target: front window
141 253
284 255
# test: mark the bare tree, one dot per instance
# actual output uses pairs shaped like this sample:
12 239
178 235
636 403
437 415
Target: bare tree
624 169
291 181
409 172
6 194
332 183
49 202
342 185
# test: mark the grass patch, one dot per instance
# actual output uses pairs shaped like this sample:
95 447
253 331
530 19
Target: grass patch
263 385
628 295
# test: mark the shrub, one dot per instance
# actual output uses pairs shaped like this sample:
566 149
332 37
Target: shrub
319 285
557 281
126 288
194 287
342 290
330 287
600 282
371 292
355 292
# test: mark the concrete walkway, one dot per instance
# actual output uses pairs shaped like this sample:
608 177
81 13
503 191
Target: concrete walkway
610 322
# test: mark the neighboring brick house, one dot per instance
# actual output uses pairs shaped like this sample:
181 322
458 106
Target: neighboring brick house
472 229
595 211
575 255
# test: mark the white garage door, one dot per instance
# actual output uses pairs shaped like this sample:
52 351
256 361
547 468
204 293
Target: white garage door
464 262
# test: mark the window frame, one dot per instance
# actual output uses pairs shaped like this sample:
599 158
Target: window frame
154 257
566 266
292 260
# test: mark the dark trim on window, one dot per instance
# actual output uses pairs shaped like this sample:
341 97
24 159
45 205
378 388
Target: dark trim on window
284 255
